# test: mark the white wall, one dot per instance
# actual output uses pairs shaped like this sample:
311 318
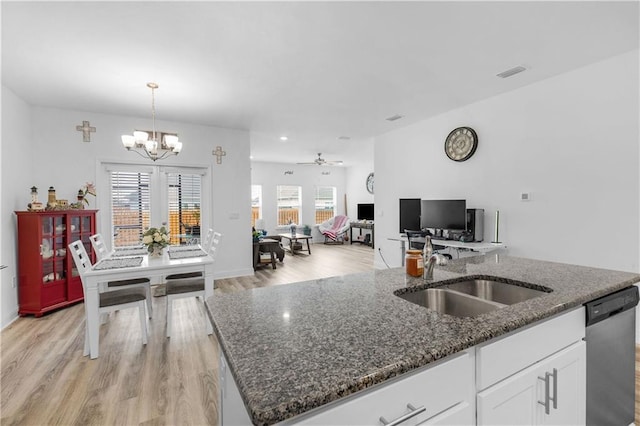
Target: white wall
16 178
571 141
355 181
270 175
41 147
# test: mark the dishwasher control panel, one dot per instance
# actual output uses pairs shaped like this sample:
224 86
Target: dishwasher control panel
601 309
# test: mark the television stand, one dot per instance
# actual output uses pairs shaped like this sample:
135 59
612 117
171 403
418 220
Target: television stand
361 226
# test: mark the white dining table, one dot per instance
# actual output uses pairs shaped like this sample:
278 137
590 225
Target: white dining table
151 267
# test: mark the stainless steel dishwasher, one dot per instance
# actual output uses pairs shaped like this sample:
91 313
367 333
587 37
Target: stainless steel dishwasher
610 340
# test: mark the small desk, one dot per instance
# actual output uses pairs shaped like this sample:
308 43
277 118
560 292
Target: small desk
361 226
294 238
265 244
483 247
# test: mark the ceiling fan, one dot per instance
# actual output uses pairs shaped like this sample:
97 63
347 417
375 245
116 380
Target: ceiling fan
322 162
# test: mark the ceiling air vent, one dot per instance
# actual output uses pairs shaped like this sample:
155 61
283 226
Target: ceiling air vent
394 117
512 71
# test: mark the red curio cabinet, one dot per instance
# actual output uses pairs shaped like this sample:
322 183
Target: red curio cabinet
47 276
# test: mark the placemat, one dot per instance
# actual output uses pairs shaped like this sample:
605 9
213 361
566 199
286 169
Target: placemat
186 253
133 251
125 262
176 249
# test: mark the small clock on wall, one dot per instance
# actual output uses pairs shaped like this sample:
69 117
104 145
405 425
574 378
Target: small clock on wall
461 143
370 183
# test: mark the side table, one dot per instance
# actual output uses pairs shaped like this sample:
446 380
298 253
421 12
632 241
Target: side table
265 245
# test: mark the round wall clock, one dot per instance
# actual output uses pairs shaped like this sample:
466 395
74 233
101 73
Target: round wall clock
370 183
461 143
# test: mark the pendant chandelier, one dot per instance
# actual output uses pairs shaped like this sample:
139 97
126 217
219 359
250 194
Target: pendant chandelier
159 145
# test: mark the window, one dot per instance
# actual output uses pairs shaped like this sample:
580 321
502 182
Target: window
130 206
184 199
289 204
139 196
325 203
256 203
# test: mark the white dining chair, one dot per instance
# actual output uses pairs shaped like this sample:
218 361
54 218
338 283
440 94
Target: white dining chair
210 239
102 251
178 288
109 301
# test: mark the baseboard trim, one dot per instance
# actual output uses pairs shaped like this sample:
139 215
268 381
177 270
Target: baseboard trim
15 317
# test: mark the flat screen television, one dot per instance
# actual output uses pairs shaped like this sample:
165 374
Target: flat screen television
365 212
443 214
409 214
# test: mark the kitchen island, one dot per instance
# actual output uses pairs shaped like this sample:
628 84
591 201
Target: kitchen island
293 348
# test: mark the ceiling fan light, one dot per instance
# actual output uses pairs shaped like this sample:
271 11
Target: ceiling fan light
128 141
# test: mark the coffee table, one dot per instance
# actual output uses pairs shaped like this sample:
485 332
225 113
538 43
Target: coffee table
293 238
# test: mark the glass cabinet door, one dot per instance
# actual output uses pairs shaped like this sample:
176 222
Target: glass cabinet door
53 249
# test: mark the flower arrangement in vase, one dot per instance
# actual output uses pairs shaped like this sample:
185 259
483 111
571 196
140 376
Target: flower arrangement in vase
155 239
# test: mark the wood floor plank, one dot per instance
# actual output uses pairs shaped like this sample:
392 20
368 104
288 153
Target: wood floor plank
45 380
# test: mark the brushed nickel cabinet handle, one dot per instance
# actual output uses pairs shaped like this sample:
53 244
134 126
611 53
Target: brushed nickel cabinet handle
547 398
555 388
414 412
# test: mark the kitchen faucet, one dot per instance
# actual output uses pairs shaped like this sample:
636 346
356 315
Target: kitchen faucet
430 259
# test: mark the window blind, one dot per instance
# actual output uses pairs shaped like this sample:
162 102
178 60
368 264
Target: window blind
184 201
325 203
130 206
289 203
256 203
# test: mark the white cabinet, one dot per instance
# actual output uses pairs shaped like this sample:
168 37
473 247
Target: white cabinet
232 410
551 390
567 371
439 394
505 381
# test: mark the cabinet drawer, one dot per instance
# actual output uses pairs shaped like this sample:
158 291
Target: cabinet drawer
514 352
437 388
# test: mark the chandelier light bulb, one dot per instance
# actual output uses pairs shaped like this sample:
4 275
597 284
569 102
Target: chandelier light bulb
128 141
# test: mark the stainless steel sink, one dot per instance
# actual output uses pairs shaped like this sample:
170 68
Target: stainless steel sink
471 297
495 291
450 302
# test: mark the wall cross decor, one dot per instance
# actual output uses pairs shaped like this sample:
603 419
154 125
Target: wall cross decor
86 130
219 153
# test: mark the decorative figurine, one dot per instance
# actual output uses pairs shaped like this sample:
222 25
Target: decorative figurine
35 205
51 201
81 199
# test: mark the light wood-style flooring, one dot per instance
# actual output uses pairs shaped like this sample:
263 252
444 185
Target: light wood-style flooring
45 379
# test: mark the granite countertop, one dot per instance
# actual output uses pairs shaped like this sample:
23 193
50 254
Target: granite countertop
295 347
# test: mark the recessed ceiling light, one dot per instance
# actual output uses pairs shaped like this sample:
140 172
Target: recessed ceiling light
512 71
394 117
284 138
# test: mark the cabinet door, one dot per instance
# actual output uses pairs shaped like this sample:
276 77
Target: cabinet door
520 398
52 253
570 381
510 402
